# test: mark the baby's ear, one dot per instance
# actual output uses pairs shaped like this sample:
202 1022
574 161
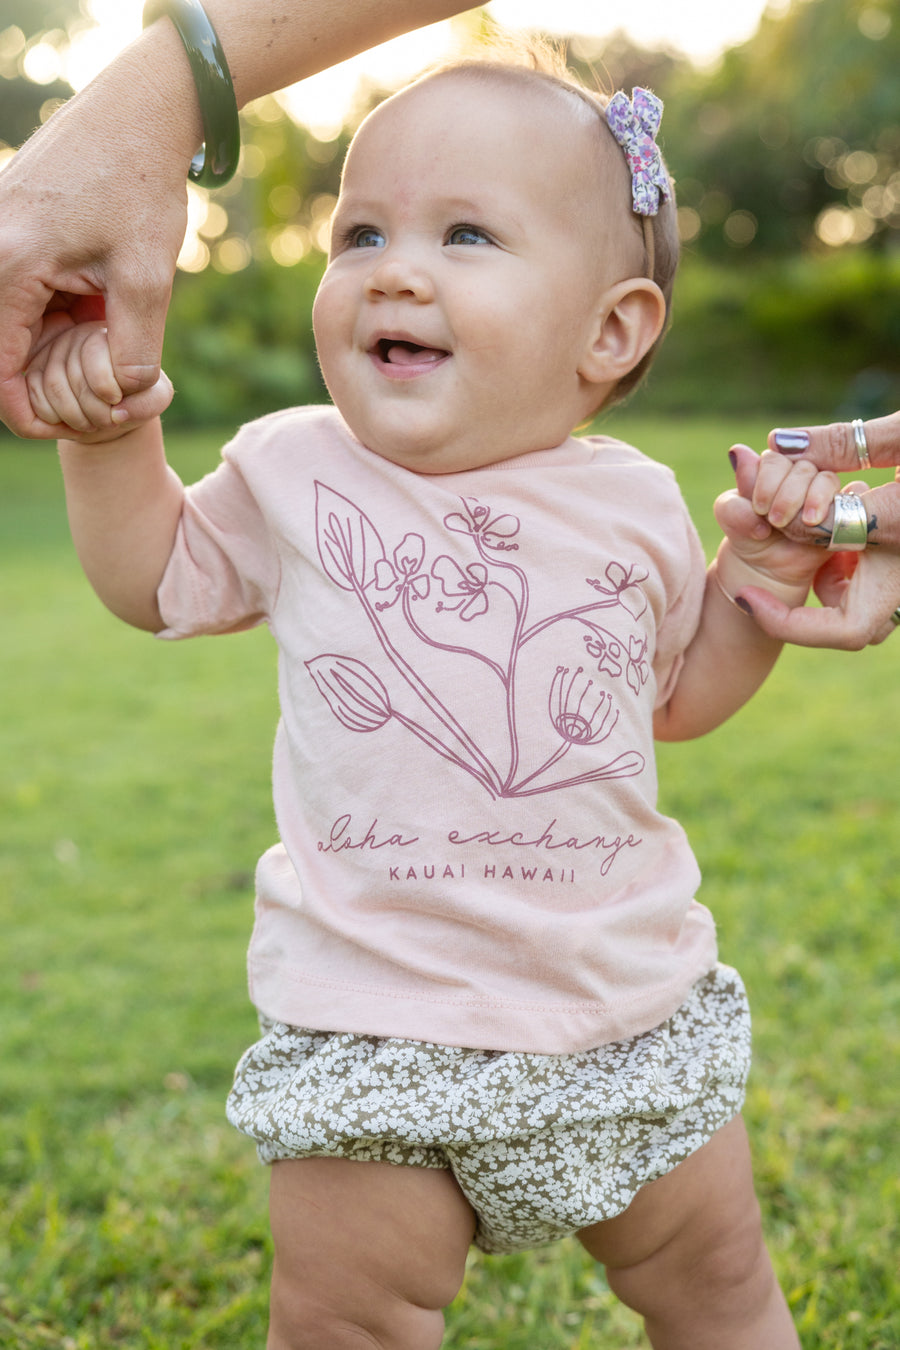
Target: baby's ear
630 318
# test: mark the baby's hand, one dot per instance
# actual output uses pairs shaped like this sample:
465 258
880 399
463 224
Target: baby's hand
72 384
795 498
767 520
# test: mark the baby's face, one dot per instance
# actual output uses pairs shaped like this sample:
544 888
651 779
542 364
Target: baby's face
478 228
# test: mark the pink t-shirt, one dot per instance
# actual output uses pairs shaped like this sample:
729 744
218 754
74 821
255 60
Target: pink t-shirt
464 777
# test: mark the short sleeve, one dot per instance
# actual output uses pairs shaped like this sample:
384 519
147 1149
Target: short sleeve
223 573
682 618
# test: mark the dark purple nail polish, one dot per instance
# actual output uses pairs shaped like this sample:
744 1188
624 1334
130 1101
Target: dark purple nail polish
791 441
732 459
743 604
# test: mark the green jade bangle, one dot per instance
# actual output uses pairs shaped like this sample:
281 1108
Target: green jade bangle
217 159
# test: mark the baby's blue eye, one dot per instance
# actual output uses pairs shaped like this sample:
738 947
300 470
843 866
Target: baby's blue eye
467 234
367 237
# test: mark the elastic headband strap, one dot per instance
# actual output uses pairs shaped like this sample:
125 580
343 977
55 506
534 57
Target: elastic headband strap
649 245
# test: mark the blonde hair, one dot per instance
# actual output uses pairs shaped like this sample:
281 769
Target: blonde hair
521 59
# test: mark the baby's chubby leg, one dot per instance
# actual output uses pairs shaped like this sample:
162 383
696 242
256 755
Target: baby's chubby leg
688 1255
366 1253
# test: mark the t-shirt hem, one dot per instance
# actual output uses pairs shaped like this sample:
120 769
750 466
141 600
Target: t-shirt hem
471 1022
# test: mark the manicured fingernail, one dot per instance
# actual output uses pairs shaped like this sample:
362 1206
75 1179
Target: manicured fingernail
743 604
790 441
732 459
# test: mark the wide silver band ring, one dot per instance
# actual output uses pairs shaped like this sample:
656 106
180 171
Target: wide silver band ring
859 440
850 531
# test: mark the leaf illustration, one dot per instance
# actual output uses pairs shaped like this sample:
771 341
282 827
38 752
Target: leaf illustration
352 691
349 545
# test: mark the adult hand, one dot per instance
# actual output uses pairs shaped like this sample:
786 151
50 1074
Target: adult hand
118 267
835 447
92 214
859 592
93 208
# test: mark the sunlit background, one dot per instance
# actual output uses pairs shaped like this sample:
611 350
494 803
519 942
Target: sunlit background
782 130
701 30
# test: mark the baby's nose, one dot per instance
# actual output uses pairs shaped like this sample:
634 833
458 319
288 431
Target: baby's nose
396 276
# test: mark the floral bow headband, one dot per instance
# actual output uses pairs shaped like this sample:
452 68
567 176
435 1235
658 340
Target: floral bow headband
634 124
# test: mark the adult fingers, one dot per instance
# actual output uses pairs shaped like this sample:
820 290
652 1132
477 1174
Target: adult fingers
136 308
809 627
882 507
834 446
860 598
833 577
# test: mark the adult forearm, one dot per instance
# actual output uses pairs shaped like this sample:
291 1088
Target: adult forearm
268 44
95 204
124 504
272 43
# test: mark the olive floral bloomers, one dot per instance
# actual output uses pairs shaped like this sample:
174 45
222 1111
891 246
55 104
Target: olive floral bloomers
541 1145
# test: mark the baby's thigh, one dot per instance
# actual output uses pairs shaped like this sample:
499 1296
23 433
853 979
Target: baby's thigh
700 1223
712 1187
365 1244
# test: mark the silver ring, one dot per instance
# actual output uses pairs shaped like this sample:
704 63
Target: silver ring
859 438
850 531
895 618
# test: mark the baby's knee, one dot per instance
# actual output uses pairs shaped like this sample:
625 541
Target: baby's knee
306 1320
700 1267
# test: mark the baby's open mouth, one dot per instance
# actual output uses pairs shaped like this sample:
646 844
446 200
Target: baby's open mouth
400 353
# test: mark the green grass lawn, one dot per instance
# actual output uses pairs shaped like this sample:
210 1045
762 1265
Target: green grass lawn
135 800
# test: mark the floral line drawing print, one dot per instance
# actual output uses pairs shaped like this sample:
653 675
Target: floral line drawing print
394 588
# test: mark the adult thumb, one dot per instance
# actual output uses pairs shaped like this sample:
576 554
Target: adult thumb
136 322
834 446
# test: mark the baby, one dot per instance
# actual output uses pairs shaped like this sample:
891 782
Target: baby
490 1001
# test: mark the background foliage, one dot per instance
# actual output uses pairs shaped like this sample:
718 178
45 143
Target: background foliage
135 798
787 162
132 1215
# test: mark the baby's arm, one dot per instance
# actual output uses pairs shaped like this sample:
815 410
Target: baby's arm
124 501
730 656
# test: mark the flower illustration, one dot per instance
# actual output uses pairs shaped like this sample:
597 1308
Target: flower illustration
607 651
468 586
625 586
352 691
405 573
476 582
579 711
476 520
638 669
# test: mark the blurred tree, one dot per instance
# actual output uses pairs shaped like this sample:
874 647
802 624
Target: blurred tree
38 16
794 141
239 345
23 25
786 157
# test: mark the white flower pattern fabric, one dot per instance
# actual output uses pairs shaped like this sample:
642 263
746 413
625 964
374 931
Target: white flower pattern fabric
635 125
541 1145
